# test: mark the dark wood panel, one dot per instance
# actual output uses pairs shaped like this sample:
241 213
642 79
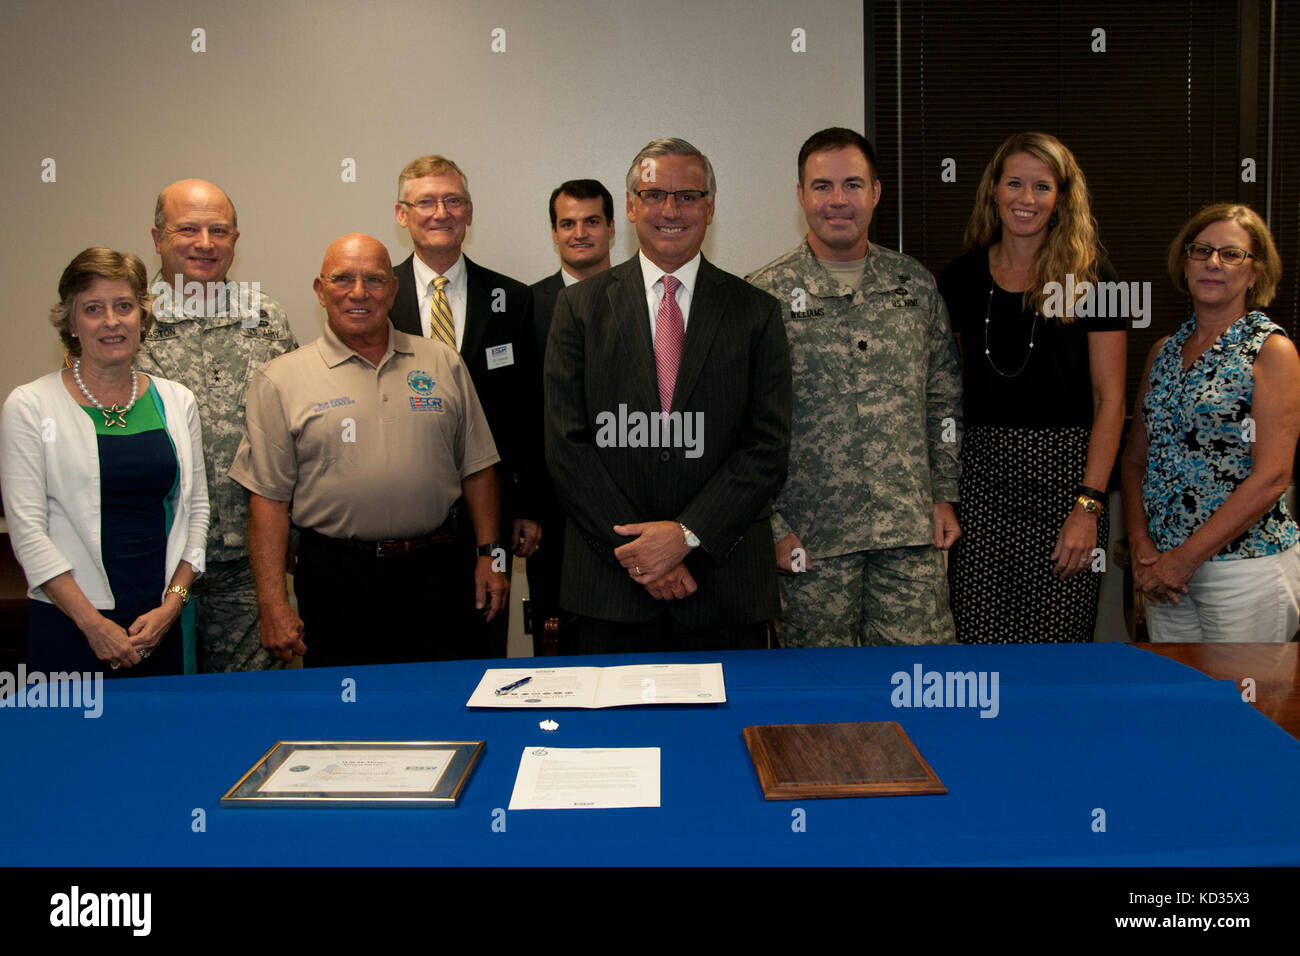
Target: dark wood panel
866 759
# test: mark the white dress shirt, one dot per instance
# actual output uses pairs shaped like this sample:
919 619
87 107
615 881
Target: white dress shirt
654 288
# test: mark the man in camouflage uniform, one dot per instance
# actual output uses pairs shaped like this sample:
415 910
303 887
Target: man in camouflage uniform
211 337
877 403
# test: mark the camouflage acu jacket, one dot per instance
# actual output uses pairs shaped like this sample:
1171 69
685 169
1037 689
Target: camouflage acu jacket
214 357
877 403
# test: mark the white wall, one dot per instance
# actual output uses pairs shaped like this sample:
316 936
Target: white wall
287 90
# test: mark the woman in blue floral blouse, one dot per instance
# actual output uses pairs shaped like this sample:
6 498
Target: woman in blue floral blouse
1209 457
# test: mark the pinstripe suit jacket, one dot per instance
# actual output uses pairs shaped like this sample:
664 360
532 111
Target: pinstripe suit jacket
734 372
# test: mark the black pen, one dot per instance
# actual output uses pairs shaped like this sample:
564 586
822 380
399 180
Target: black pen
509 687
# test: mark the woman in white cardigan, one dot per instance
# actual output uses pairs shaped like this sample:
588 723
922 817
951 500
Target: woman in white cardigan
104 491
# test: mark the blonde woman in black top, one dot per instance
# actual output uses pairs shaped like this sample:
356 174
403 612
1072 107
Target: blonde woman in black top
1043 390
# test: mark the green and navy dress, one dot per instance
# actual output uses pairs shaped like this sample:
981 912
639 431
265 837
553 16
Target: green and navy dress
138 474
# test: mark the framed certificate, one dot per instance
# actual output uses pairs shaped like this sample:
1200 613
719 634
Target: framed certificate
357 773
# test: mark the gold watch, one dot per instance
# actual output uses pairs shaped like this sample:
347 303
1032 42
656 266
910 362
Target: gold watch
1090 505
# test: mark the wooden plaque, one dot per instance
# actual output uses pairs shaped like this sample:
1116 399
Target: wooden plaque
810 761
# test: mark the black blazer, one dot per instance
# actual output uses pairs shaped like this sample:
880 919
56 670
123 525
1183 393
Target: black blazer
735 371
545 292
507 393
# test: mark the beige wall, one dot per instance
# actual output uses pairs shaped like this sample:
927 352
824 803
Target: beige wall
287 90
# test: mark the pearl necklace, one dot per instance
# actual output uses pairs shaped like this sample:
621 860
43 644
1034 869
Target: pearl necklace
115 414
1033 327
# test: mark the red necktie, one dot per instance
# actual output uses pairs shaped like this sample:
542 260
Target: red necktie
670 332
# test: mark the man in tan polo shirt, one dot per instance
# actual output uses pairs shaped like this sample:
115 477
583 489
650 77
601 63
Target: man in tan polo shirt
364 439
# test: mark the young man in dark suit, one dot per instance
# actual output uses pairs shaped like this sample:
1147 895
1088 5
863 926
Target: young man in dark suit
668 398
582 228
487 318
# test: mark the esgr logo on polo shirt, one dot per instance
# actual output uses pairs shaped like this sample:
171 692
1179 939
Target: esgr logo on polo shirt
423 400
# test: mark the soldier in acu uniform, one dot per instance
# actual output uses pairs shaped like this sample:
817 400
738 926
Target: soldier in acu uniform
867 505
211 338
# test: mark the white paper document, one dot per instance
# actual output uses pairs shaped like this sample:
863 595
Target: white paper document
359 771
552 778
593 687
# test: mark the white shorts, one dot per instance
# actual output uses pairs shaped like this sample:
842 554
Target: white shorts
1249 600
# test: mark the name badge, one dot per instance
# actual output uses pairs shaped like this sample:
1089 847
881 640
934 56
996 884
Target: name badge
499 356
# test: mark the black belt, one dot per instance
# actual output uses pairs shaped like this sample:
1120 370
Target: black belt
387 548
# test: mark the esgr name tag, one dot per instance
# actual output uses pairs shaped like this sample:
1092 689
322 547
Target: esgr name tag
499 356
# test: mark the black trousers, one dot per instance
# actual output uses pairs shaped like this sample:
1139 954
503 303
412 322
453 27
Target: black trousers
544 572
358 608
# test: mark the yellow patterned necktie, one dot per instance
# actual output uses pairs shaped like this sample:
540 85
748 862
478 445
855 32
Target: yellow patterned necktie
441 325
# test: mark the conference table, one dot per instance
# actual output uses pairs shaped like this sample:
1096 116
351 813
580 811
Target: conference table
1101 754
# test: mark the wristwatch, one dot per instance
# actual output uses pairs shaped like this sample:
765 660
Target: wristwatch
1090 505
487 550
691 540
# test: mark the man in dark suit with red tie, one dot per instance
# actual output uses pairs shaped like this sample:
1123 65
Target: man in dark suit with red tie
582 228
487 318
668 396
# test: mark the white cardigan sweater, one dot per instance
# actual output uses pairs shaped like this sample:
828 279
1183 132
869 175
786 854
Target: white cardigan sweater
49 472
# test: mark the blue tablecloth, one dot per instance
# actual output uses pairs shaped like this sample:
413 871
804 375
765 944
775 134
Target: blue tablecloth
1184 771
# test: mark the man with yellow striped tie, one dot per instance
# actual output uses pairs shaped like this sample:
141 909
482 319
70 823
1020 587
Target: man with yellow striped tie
487 318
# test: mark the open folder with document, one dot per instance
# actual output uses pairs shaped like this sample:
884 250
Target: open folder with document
593 687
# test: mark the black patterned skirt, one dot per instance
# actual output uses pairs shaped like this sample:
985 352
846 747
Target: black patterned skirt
1018 486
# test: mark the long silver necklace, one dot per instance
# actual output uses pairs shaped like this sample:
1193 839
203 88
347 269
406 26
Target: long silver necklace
1033 327
115 414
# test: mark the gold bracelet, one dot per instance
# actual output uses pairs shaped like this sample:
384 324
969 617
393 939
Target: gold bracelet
183 592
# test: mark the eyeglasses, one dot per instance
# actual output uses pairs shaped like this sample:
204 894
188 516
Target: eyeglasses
346 282
453 204
1228 255
684 197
